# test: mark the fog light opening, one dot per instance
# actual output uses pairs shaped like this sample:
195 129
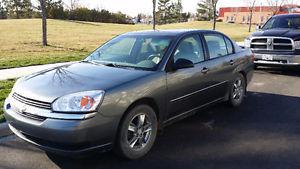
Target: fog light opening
8 106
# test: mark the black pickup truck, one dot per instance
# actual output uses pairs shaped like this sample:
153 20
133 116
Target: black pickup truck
277 42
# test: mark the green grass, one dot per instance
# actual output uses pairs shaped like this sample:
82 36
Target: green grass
5 88
20 40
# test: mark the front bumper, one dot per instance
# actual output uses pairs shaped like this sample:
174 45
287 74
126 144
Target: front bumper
277 60
61 135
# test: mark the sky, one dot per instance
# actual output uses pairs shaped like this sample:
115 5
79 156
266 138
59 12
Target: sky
134 7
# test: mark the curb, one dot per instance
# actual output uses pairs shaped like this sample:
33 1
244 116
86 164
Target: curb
4 130
13 73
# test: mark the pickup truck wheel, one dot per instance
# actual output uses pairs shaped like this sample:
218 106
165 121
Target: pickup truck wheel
137 132
237 91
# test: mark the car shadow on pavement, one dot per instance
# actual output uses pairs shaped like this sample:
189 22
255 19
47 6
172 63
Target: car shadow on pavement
262 133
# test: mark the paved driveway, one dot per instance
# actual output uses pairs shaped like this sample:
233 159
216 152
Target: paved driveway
263 133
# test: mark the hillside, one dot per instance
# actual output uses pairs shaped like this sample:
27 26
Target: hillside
20 40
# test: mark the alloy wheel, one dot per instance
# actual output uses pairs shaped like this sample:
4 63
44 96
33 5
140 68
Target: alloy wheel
238 90
139 131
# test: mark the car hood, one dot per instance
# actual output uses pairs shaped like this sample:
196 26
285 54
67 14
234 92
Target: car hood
290 33
50 84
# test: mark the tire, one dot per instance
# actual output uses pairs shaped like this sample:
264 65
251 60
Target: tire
237 91
135 137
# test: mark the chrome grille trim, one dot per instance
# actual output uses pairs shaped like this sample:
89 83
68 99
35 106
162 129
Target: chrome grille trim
32 116
272 43
31 102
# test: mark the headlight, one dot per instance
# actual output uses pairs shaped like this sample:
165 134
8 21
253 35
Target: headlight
297 44
87 101
247 42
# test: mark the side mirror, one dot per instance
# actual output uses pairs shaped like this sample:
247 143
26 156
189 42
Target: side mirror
182 64
258 27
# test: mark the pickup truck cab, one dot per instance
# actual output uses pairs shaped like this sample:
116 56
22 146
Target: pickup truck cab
277 42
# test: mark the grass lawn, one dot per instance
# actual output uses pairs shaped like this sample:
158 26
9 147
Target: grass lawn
20 40
5 88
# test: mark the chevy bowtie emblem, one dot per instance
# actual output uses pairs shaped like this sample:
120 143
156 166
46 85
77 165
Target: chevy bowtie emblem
269 42
23 109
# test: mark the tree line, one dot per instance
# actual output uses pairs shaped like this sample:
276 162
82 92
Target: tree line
171 11
55 9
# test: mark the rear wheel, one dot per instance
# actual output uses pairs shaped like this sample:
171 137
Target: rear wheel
237 91
137 132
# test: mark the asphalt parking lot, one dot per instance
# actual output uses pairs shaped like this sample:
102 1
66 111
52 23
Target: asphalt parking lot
263 133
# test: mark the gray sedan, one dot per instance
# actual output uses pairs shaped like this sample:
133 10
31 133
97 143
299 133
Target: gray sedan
128 89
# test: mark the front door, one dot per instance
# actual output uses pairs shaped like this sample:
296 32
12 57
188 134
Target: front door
185 85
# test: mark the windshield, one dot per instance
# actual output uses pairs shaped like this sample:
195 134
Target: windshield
144 52
283 22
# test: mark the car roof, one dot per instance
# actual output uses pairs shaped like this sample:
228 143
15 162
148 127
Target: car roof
288 15
170 32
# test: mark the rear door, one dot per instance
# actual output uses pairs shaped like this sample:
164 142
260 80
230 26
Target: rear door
221 64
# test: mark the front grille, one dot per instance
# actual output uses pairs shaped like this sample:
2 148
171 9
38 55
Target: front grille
264 40
272 44
287 41
31 102
259 46
32 116
282 47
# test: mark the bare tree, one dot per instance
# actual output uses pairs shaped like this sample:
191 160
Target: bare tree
214 6
44 21
276 5
73 4
154 14
251 6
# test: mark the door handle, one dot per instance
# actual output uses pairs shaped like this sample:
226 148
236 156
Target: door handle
231 62
204 70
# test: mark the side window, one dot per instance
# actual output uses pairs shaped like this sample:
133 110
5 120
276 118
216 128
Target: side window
216 45
229 46
191 49
269 24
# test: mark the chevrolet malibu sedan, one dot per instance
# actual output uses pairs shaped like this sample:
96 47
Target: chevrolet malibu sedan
126 90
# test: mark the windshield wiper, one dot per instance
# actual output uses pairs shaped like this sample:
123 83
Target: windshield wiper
92 62
112 65
122 66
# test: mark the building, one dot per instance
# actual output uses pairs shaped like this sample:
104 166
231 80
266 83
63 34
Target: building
260 13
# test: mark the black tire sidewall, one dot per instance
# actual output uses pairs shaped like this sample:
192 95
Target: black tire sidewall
123 148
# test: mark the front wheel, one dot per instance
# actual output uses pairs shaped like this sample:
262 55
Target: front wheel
237 91
137 132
